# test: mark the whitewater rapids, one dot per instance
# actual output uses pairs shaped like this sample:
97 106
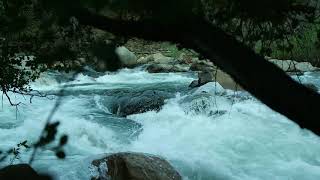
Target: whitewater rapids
208 133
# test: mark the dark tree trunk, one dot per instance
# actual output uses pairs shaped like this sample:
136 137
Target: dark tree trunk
261 78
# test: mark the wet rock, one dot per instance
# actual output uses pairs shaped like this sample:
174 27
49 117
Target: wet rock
157 58
126 57
201 65
135 166
202 100
205 76
226 81
293 66
161 59
166 68
147 101
194 84
160 68
181 68
143 60
211 75
21 171
211 88
305 66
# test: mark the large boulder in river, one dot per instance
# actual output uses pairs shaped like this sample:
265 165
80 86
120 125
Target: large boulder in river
205 76
211 75
139 103
134 166
126 57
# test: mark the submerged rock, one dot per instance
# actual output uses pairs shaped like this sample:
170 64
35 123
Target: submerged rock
134 166
138 103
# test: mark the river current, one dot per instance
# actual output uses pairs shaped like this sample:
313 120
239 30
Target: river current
205 133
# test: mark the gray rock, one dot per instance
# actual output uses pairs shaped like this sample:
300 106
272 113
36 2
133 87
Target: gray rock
161 59
160 68
143 60
135 166
165 68
305 66
181 68
127 58
157 58
292 66
211 75
210 88
226 81
147 101
194 84
205 76
285 65
201 65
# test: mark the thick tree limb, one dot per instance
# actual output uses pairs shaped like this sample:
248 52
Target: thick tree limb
261 78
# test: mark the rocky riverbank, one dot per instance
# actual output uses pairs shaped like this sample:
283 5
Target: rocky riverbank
207 71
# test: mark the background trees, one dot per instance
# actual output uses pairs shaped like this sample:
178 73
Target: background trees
230 33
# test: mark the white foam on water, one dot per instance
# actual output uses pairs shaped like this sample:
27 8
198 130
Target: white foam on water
247 141
111 80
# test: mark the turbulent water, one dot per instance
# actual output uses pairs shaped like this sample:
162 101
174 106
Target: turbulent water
207 133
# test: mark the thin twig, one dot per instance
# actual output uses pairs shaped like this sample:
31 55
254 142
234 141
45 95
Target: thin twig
53 111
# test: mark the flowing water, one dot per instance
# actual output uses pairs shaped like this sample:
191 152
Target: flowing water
206 133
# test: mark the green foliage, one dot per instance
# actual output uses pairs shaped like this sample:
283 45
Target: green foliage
305 47
34 38
266 22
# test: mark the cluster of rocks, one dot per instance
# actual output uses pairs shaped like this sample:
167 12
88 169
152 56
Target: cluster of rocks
293 66
207 71
158 63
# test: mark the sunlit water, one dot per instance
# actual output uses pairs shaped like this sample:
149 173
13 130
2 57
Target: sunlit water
207 133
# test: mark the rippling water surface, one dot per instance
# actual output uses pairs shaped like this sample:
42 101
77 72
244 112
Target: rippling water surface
208 133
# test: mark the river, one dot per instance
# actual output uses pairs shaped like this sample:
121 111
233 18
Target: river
205 133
